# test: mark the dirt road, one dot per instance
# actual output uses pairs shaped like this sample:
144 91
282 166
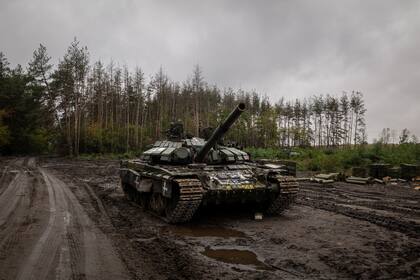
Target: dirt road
66 219
45 232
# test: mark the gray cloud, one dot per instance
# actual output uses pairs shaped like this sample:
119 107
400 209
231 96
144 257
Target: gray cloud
281 48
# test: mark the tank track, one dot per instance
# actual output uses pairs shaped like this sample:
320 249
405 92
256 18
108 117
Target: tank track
190 197
185 205
288 189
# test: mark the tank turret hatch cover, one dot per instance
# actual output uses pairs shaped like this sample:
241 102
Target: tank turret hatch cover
232 154
166 143
195 142
175 131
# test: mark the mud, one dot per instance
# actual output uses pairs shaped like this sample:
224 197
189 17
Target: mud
236 256
45 233
205 231
62 218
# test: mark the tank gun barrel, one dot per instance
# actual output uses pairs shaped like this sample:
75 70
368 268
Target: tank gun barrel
219 132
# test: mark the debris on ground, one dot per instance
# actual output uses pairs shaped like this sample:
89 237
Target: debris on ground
258 216
416 183
314 180
328 176
379 181
321 181
359 180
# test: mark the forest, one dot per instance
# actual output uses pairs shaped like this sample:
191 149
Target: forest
79 107
83 107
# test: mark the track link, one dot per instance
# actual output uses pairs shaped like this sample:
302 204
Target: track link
288 189
179 209
190 197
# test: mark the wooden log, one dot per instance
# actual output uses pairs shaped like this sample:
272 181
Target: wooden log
322 181
303 179
329 176
356 182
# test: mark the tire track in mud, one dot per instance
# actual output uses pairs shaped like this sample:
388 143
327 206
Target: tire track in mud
95 243
7 178
16 216
9 198
4 174
40 260
409 228
312 243
385 193
71 245
138 239
14 204
382 211
378 204
45 232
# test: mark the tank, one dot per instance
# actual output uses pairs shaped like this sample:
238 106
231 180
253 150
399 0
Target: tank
177 176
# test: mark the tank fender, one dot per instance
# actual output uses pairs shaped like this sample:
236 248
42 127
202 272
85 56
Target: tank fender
123 171
271 181
128 176
144 185
134 179
164 187
161 186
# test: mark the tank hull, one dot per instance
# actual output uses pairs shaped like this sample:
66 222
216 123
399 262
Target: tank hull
176 192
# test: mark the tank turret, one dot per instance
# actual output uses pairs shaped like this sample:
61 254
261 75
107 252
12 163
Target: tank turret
219 132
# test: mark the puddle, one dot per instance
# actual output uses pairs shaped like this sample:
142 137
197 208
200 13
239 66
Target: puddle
145 239
235 256
206 232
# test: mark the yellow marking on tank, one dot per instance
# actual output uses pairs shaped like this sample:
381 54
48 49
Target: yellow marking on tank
248 186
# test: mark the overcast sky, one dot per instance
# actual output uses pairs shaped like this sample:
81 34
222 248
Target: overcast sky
280 48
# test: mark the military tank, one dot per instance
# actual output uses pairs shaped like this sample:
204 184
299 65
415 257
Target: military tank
174 177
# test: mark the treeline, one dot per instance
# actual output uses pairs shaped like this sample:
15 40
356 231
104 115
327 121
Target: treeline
83 107
390 136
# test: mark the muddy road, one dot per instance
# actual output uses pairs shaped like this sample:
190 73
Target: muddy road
68 219
45 232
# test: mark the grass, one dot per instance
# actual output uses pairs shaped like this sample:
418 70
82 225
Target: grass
343 158
114 156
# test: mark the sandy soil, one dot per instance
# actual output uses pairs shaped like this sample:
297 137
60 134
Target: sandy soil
68 219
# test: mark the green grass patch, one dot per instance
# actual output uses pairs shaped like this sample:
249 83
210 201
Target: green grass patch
112 156
342 158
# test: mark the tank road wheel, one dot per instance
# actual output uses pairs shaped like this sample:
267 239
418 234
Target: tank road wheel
128 191
171 203
185 199
288 188
132 194
143 199
157 203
